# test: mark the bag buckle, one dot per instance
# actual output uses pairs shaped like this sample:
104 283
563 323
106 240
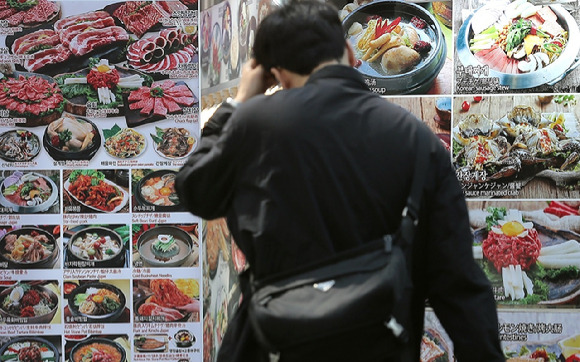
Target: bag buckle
411 214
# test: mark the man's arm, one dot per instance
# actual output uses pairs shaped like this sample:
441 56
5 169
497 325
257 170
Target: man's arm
206 183
457 288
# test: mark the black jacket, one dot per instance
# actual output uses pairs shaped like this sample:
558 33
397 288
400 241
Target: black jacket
307 172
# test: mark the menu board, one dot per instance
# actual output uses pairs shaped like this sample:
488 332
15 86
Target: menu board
99 109
496 81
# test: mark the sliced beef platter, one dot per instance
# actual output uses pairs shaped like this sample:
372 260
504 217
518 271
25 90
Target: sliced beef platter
68 44
165 51
77 35
140 16
28 13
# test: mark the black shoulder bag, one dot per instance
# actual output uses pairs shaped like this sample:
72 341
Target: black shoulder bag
315 313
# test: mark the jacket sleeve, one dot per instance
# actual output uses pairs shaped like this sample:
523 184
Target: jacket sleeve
457 288
205 183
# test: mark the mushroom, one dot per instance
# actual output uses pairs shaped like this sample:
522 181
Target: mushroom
529 66
519 53
542 59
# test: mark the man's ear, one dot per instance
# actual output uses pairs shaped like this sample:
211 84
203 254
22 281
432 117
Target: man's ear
282 76
350 54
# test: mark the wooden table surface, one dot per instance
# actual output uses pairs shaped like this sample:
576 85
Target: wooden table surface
423 108
495 107
570 84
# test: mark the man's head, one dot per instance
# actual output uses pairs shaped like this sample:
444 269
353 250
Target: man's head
299 37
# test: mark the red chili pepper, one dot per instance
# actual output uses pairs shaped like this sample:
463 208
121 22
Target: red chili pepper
561 205
558 212
380 28
392 25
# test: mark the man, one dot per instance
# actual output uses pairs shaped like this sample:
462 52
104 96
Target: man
325 165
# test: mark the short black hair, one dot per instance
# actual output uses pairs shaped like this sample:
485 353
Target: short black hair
299 36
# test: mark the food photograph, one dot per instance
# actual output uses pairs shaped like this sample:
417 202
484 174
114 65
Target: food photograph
401 47
222 262
521 146
166 300
90 301
96 246
526 46
30 302
151 343
23 192
93 191
43 348
529 250
105 347
165 245
154 191
30 247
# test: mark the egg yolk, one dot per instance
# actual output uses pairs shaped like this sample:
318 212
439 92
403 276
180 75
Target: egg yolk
102 68
512 228
165 191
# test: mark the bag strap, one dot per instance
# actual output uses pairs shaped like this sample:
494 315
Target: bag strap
410 214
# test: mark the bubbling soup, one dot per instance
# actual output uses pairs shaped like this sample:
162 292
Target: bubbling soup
97 352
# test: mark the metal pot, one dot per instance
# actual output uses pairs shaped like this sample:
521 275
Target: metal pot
551 74
31 209
420 78
117 260
183 239
45 263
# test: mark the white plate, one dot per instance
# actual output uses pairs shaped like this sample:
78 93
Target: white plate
116 209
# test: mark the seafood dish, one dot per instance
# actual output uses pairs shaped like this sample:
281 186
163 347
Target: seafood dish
28 192
92 189
101 84
164 304
92 245
390 45
163 52
161 98
97 301
28 246
28 13
35 98
174 142
24 300
98 349
73 37
517 37
34 349
126 143
165 246
149 344
19 145
70 137
140 16
523 142
159 189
